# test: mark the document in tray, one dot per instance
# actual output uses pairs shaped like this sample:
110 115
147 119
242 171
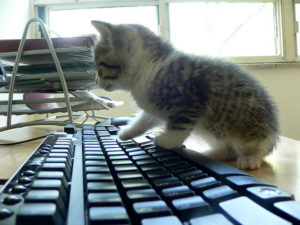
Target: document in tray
36 51
51 81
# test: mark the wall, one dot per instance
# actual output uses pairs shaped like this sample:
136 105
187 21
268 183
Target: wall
13 17
282 83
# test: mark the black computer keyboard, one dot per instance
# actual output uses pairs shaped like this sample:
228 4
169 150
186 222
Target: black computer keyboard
90 178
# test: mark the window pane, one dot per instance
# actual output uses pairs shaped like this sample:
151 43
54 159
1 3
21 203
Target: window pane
224 28
298 20
78 21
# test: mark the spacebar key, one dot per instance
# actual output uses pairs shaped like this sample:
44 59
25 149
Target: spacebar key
39 214
245 211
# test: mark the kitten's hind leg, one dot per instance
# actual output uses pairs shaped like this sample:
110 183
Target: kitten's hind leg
250 155
138 126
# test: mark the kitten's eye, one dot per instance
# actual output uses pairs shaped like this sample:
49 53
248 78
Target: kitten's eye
109 66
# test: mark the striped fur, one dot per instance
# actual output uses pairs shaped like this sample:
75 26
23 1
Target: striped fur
186 93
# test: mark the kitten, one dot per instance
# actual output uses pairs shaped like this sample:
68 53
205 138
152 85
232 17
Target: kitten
186 92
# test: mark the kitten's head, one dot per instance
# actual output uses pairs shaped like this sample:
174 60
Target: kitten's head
113 53
123 52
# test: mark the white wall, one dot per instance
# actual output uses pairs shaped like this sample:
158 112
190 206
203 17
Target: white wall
13 17
282 83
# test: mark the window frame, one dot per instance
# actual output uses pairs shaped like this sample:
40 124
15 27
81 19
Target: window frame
285 19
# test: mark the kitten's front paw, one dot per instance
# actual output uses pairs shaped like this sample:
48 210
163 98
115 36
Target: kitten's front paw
166 142
125 134
248 162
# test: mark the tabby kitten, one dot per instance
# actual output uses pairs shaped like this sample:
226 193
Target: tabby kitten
185 93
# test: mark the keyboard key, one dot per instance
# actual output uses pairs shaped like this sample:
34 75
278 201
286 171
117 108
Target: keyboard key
142 195
11 200
174 162
94 157
5 213
177 192
157 153
214 219
147 162
135 149
129 175
18 189
29 173
46 196
42 184
109 148
167 182
135 184
116 153
189 176
191 207
58 167
159 174
136 153
95 163
220 193
99 177
141 140
101 186
181 168
112 144
50 175
112 129
122 162
93 150
141 157
100 169
218 168
245 211
39 213
59 160
125 168
118 157
110 198
245 181
289 209
165 220
269 194
204 183
108 215
151 208
169 159
24 180
151 168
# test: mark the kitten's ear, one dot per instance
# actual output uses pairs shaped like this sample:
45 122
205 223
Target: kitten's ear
105 30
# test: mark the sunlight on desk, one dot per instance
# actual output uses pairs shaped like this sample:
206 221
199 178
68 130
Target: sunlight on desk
281 168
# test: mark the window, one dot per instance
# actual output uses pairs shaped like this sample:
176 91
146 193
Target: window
297 8
224 28
78 21
247 31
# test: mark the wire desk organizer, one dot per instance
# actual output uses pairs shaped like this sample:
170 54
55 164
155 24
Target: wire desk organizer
82 100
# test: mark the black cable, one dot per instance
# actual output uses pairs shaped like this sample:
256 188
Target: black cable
3 181
21 142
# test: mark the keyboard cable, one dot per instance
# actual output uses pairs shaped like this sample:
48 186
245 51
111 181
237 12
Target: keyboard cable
21 142
3 181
